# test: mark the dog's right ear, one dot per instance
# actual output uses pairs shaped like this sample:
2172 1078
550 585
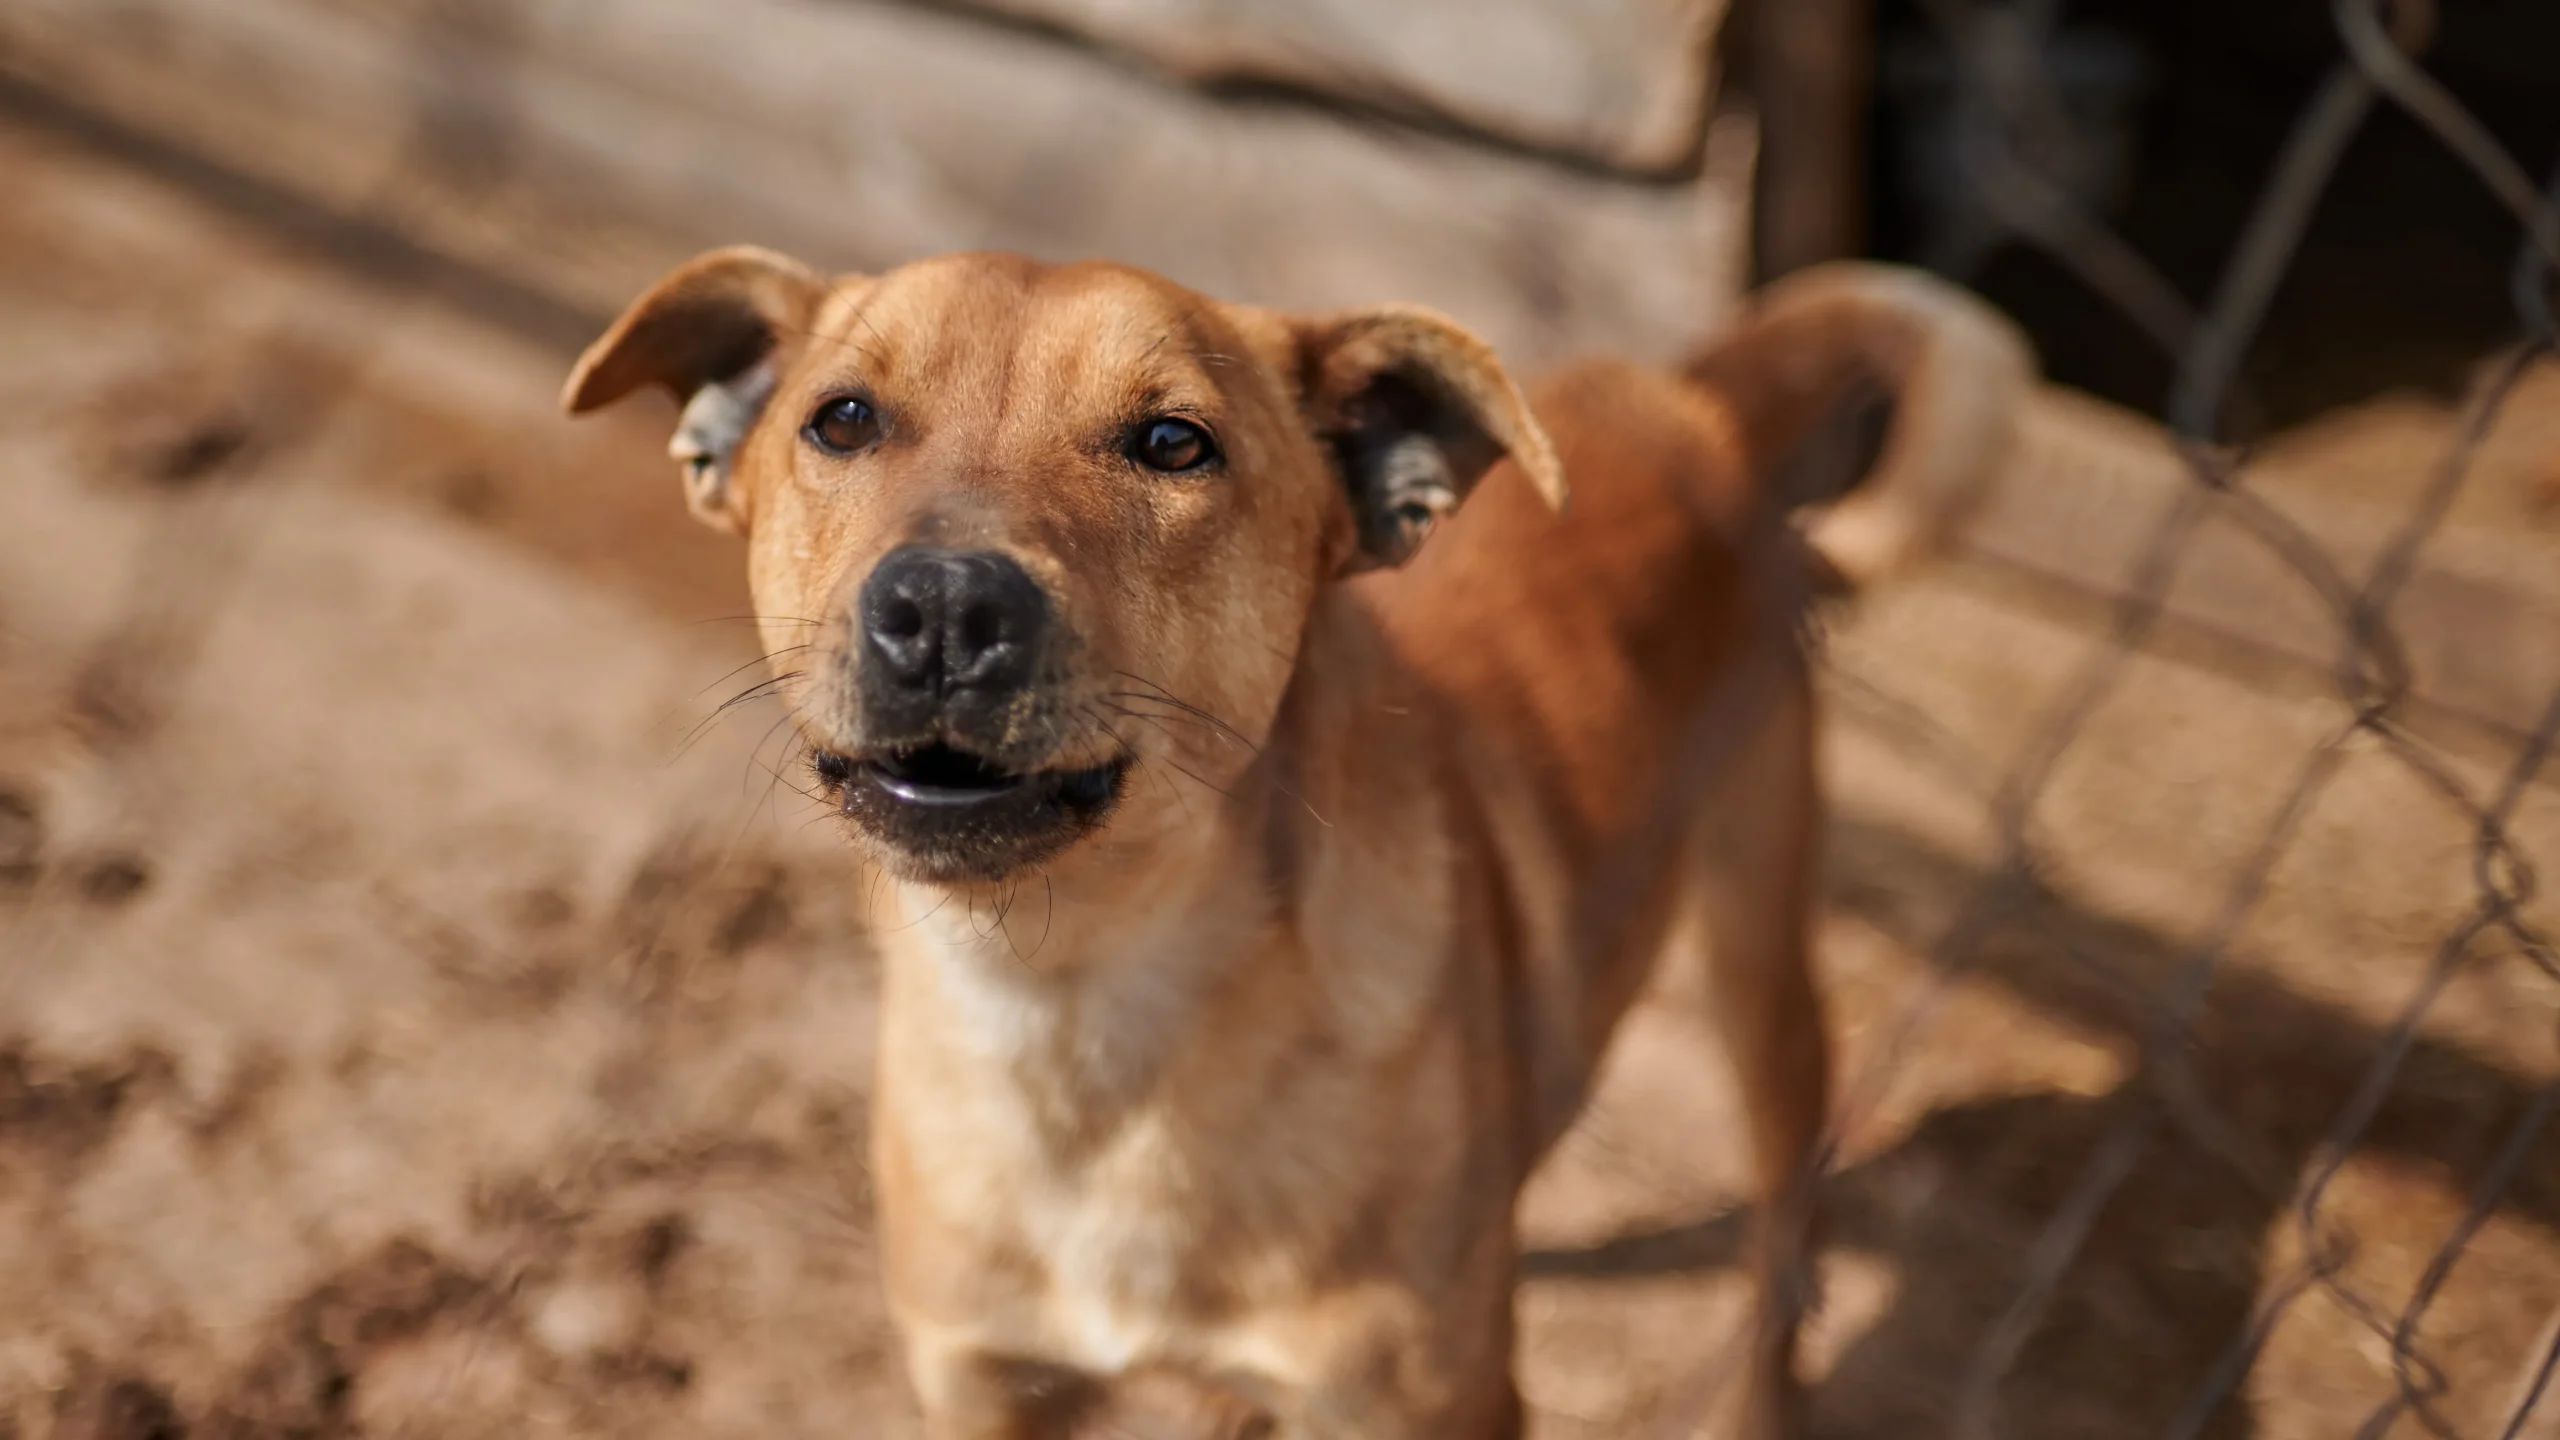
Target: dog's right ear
711 334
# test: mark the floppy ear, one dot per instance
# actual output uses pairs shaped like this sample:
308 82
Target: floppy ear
710 334
1416 410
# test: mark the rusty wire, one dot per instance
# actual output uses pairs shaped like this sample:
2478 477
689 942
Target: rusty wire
2372 679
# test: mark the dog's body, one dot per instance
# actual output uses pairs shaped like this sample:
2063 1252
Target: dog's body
1214 1093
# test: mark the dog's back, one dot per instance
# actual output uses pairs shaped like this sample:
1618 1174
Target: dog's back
1620 665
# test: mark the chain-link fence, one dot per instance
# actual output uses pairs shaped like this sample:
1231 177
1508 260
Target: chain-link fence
2006 137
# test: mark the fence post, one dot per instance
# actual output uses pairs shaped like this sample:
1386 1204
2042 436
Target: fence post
1810 64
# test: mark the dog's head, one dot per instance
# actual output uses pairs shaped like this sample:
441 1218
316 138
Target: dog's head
1021 531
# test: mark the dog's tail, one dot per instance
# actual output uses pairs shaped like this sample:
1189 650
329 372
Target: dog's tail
1827 342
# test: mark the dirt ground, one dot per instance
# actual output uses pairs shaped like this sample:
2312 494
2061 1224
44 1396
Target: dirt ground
419 1017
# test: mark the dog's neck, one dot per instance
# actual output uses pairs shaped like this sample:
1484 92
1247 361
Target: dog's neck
1075 1003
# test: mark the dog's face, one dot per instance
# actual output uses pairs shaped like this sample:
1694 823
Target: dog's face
1021 535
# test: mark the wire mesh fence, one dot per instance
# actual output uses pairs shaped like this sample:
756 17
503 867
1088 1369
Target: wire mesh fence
2009 108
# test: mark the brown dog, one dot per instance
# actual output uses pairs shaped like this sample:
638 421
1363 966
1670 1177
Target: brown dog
1263 902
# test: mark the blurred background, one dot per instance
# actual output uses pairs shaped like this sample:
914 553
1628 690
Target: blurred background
426 1010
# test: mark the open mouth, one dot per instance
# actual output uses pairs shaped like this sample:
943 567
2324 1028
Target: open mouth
956 814
947 776
941 775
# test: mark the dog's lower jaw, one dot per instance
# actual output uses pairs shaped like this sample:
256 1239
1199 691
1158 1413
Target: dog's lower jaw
993 830
1080 967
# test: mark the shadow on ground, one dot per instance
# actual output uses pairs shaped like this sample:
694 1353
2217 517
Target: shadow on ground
2147 1328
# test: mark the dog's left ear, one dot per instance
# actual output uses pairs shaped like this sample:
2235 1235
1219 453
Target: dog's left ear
714 334
1416 410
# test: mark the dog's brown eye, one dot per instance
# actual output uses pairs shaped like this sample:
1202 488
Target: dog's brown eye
1172 445
844 425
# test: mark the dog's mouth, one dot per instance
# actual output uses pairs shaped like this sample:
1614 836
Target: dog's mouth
943 775
950 815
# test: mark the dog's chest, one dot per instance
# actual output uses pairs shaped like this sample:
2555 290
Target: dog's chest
1123 1251
1045 1128
1122 1233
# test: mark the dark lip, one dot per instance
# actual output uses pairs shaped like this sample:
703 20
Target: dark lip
952 815
939 775
943 776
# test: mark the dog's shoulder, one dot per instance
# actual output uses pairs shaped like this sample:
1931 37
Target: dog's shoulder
1635 437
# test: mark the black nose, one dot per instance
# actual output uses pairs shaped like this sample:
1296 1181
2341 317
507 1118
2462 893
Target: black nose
937 621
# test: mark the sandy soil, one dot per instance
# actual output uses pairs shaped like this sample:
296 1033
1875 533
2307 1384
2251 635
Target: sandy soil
419 1016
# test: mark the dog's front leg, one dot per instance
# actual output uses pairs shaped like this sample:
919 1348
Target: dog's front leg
970 1394
983 1397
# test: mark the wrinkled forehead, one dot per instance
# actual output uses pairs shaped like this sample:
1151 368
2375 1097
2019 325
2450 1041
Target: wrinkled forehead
993 332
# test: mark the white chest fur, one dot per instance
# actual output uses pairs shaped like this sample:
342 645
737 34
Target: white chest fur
1036 1106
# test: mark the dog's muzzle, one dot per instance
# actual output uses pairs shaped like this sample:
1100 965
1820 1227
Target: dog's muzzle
952 650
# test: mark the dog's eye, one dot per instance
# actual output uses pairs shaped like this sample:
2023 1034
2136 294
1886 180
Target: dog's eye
843 425
1172 445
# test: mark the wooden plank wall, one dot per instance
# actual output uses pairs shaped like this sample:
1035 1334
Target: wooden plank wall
581 146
